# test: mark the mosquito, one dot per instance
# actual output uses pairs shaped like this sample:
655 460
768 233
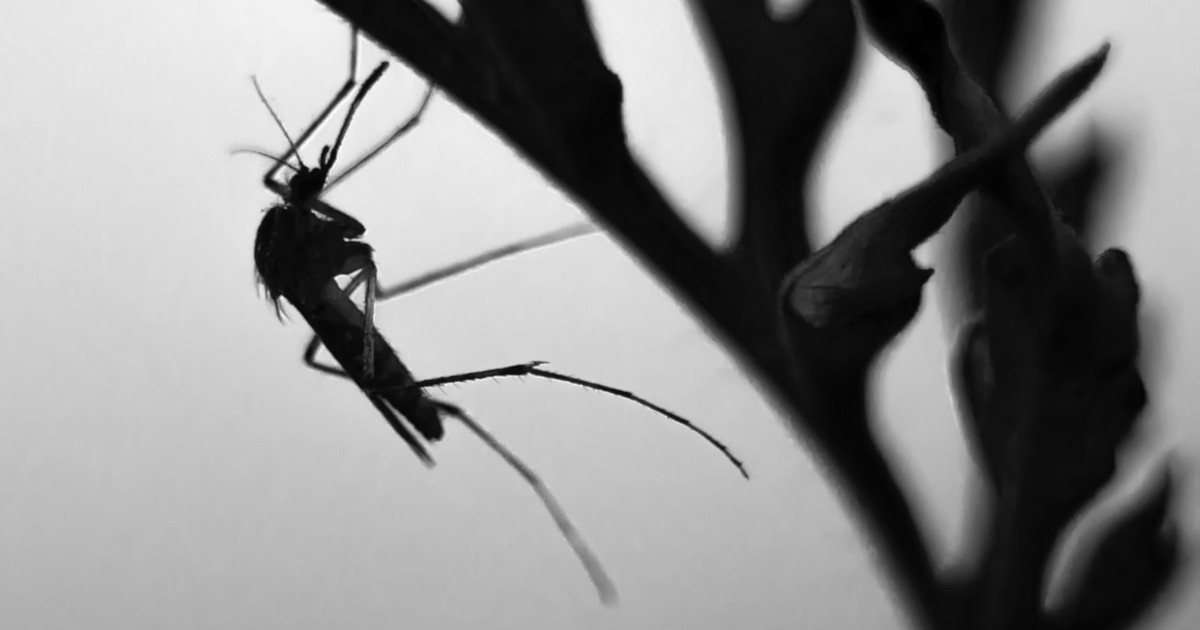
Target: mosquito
304 244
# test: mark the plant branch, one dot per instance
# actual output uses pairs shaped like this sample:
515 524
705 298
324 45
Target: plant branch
777 72
559 106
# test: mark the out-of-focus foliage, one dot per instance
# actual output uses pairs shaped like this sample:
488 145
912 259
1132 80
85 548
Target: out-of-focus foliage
1046 365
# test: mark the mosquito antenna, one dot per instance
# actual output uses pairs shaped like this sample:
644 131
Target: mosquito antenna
400 131
274 158
279 123
319 122
591 563
358 99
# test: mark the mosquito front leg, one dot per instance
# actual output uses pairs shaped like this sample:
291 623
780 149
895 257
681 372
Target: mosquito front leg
310 358
408 125
372 276
340 97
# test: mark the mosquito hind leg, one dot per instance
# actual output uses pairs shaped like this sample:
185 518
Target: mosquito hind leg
398 426
372 282
534 369
591 563
418 449
310 359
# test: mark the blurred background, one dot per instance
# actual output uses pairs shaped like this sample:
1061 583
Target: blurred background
167 461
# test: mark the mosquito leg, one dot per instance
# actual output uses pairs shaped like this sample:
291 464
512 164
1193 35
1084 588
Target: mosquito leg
628 395
329 153
340 97
437 275
310 359
408 125
365 275
475 262
533 369
589 560
372 276
399 427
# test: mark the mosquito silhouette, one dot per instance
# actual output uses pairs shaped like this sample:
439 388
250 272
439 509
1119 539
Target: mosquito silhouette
304 244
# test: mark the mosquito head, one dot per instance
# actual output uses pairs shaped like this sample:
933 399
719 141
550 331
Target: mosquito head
305 184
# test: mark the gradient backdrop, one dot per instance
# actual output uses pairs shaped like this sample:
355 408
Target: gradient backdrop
167 462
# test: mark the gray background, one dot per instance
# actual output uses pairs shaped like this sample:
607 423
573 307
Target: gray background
166 461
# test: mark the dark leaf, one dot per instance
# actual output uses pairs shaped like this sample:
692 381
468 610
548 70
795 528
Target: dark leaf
1136 556
1081 393
547 53
782 77
1074 183
983 32
864 287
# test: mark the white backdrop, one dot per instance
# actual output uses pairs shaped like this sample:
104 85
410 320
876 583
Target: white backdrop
166 460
